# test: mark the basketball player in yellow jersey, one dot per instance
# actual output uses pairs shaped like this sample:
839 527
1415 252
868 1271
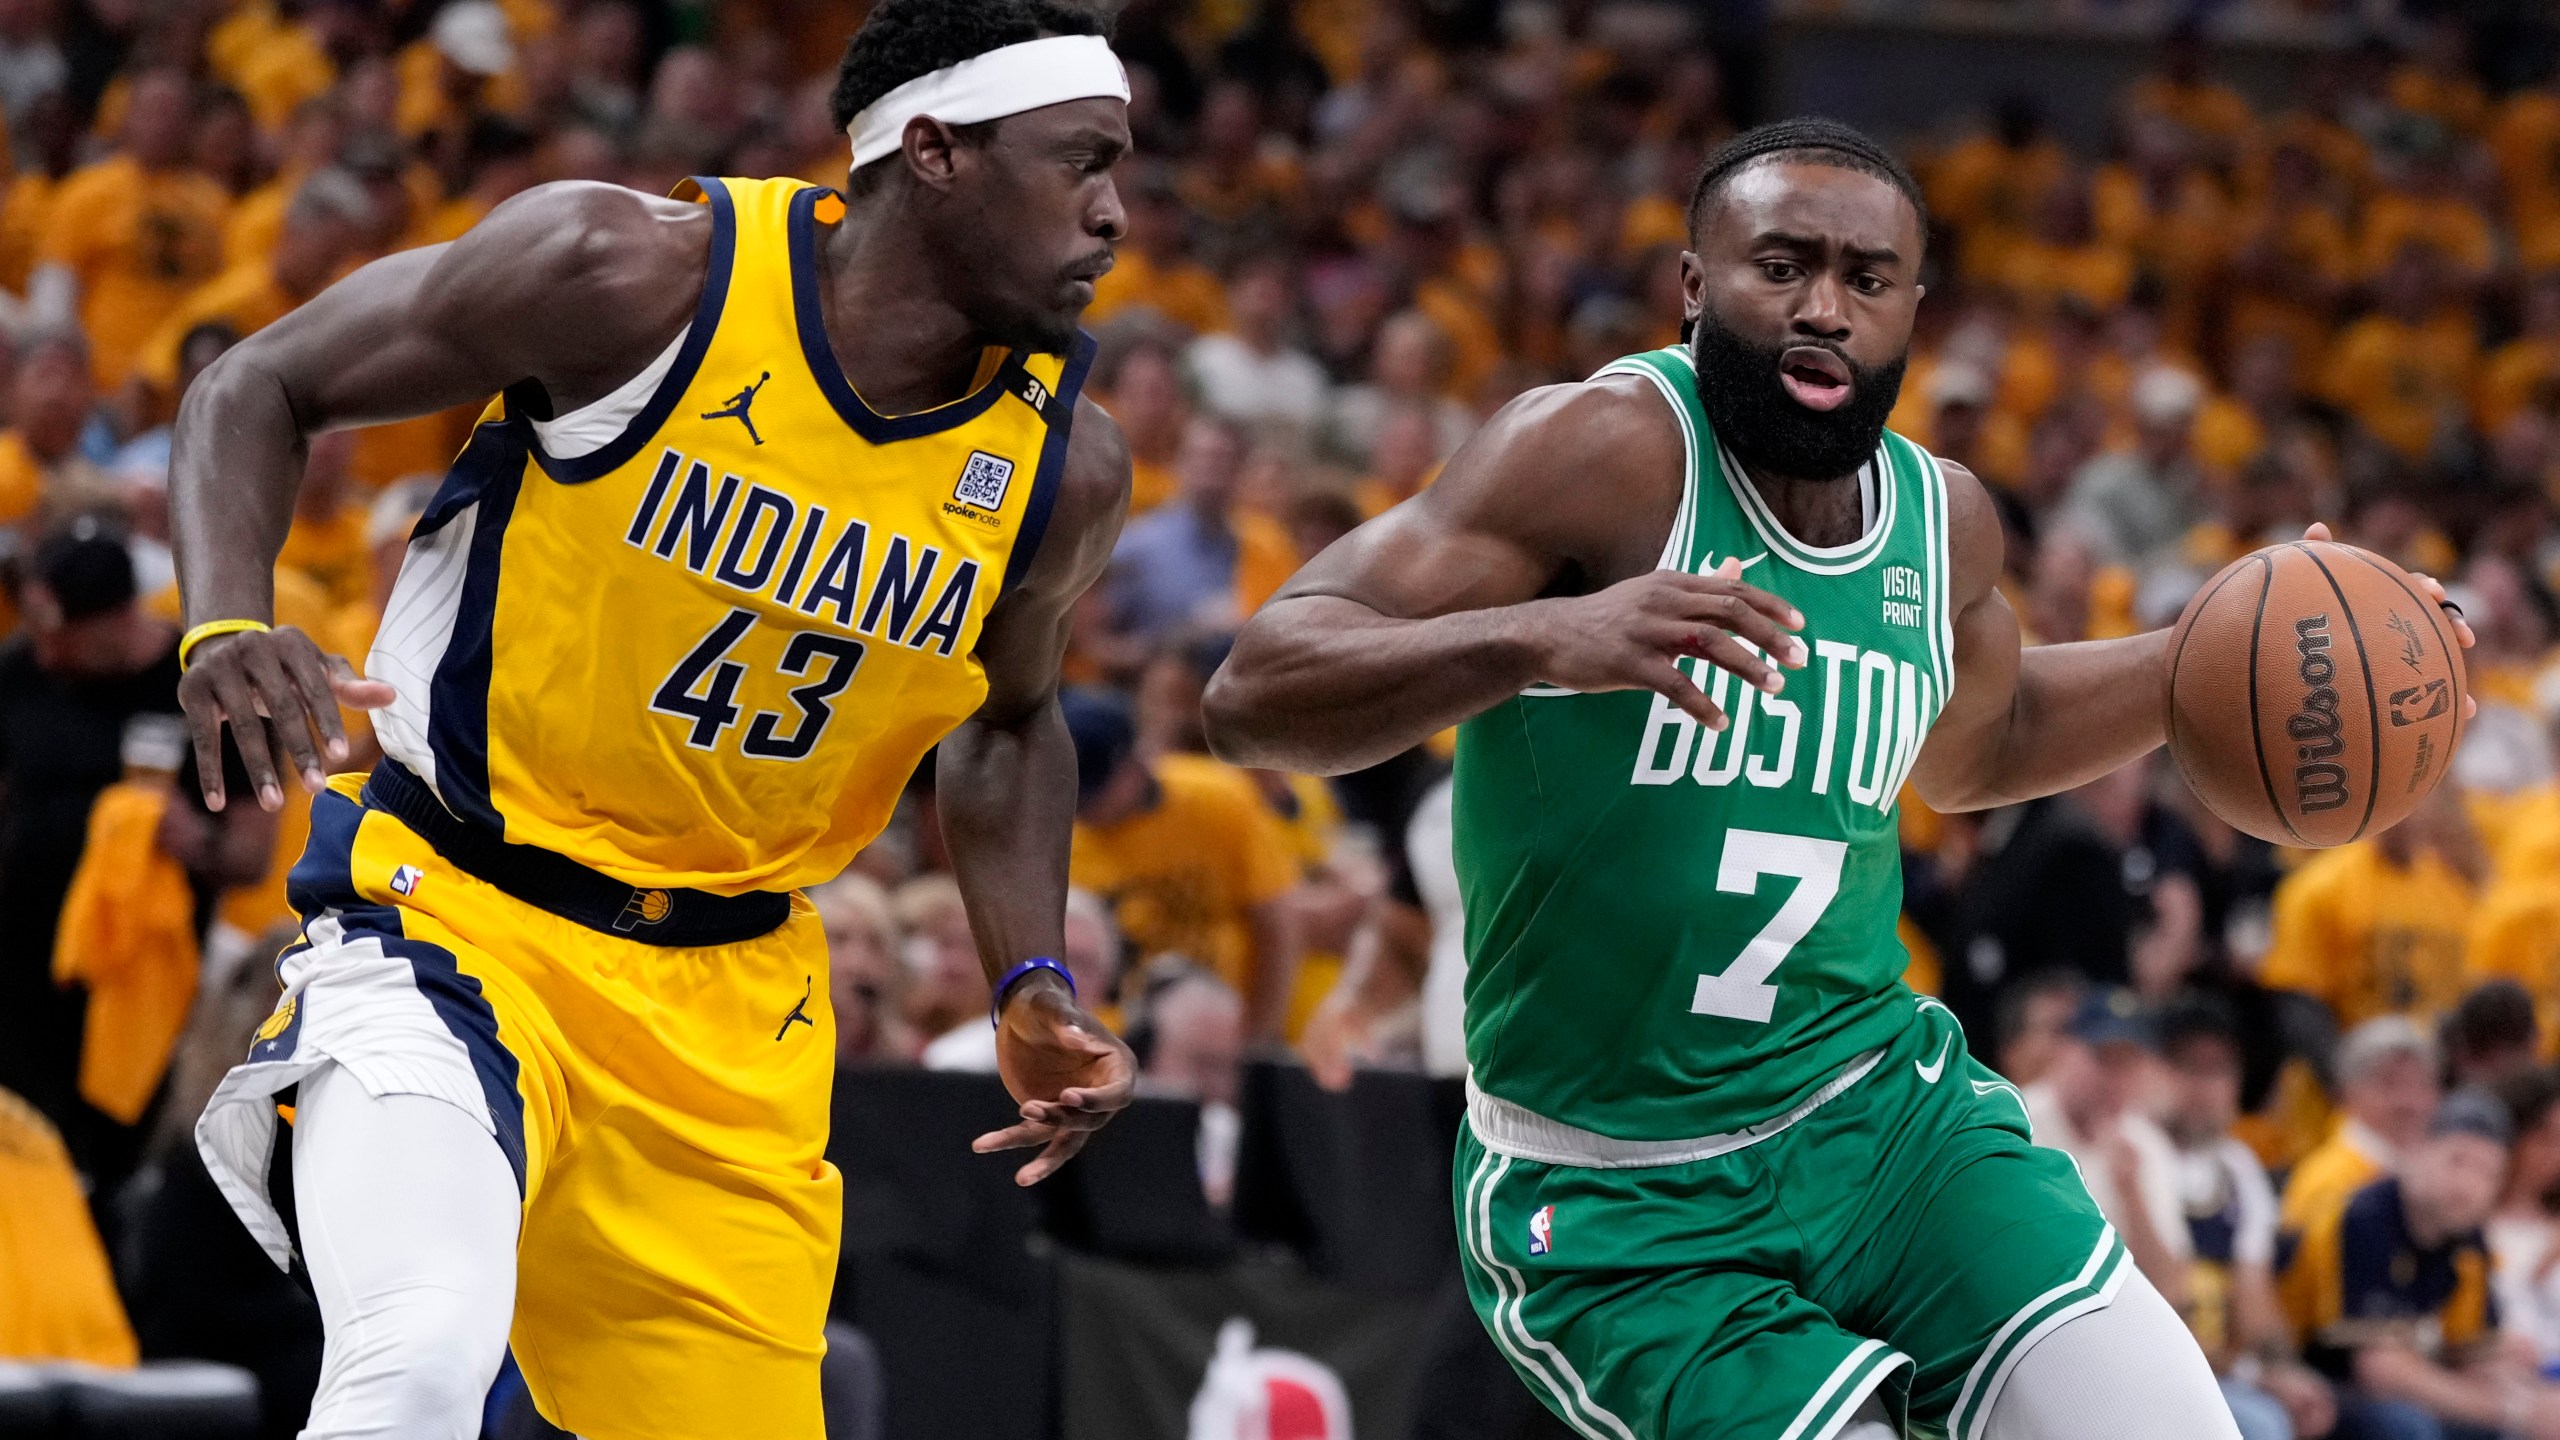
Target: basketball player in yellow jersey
781 489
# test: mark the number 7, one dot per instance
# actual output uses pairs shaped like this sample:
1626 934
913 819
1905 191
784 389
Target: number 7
1743 991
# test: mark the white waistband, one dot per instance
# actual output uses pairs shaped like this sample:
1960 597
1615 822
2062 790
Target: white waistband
1523 1134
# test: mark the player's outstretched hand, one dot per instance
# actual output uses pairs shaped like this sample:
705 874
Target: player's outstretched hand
2435 592
279 692
1628 637
1068 1070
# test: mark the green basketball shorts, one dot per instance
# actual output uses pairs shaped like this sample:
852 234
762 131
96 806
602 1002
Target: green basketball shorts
1897 1235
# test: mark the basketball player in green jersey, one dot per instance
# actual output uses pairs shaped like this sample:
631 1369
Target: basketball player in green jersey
1723 1176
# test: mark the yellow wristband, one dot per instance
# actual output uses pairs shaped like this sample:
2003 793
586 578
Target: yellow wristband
206 631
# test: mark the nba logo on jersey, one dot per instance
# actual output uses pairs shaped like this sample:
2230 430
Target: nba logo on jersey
1542 1229
982 481
404 881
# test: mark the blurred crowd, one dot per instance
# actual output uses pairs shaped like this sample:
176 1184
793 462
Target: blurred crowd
2310 1088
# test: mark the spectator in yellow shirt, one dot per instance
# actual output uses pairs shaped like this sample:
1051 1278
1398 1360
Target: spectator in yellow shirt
2404 371
1154 269
2387 1087
129 237
2213 116
2291 257
309 142
2377 927
1990 185
2235 429
1188 856
501 160
40 458
2525 138
2391 1293
1139 376
2524 373
2423 203
57 1297
320 232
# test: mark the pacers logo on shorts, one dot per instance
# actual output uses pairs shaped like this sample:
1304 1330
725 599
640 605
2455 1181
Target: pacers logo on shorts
1542 1229
276 1036
645 907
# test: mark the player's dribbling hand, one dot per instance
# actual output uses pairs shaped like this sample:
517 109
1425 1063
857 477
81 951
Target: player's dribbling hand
290 689
2435 592
1068 1070
1628 637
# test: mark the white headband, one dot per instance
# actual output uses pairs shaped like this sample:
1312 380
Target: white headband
1005 81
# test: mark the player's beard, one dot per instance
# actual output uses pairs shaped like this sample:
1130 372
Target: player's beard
1752 412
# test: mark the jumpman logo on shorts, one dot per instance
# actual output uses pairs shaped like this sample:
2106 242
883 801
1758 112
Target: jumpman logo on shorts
738 406
799 1013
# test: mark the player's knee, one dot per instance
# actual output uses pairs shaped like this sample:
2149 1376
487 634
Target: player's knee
427 1364
442 1381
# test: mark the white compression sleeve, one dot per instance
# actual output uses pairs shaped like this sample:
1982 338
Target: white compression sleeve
408 1215
2127 1372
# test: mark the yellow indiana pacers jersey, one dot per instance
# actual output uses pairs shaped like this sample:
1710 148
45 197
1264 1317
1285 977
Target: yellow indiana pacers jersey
711 652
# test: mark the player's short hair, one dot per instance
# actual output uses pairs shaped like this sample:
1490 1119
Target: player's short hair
1810 140
904 40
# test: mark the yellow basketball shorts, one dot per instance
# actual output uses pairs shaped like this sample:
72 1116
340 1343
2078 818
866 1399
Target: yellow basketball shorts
664 1108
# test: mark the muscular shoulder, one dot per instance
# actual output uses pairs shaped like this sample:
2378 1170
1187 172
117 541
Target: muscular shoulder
1976 546
573 277
1589 471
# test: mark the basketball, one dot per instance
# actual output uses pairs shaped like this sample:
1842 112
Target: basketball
2314 694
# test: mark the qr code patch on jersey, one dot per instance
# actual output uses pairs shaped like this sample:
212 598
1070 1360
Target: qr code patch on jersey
982 481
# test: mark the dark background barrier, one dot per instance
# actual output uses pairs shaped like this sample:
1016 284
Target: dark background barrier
1093 1305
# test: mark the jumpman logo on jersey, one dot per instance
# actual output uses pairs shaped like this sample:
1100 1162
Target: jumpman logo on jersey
738 405
799 1012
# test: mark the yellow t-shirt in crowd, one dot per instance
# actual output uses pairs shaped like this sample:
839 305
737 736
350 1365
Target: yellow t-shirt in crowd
2516 934
2452 225
57 1296
1184 875
244 297
331 551
2404 381
1151 483
2321 1185
2370 937
2525 138
2521 375
1189 295
140 242
28 200
1265 559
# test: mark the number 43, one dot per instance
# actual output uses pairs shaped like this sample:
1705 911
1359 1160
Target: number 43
707 669
1743 991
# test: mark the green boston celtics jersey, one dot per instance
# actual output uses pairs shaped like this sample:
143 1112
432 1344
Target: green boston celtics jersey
1674 932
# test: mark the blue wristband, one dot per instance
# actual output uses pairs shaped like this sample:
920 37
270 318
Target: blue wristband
1013 977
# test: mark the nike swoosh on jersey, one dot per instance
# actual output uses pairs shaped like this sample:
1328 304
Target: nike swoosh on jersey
1935 1068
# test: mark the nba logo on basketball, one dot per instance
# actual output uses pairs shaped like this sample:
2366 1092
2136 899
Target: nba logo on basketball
1542 1229
1251 1394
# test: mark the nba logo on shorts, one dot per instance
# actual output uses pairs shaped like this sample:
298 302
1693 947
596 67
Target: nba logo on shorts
404 881
983 480
1542 1229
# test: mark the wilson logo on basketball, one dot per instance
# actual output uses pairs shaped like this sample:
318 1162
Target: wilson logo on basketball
2320 780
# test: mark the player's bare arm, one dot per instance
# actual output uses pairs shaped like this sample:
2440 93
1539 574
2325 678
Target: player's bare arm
1531 560
1005 786
2022 723
567 284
